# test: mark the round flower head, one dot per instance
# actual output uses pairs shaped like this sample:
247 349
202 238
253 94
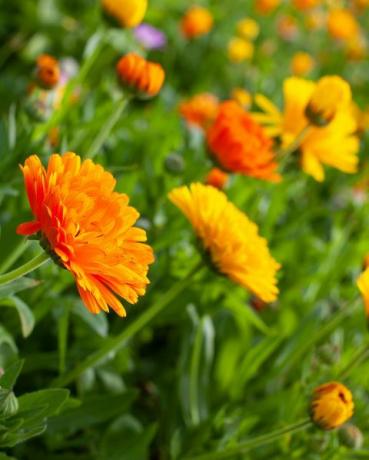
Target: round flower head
248 28
48 71
217 178
331 94
196 22
302 64
342 25
200 110
266 6
331 406
231 240
88 228
239 50
128 13
240 145
140 75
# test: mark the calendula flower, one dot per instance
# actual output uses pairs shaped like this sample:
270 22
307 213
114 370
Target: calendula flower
341 24
266 6
363 285
242 96
88 229
331 94
230 239
248 28
331 406
306 4
217 178
48 71
302 64
239 49
240 145
128 13
335 145
140 75
200 110
196 22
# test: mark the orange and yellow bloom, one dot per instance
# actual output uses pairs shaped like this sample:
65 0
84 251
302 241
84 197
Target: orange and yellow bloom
240 145
342 25
140 75
128 13
240 50
200 110
89 229
196 22
363 285
48 71
217 178
332 405
302 64
230 238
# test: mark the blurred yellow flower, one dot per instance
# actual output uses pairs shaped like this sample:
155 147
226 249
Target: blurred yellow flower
248 28
240 50
266 6
342 24
335 145
242 96
128 13
363 285
331 94
331 406
302 64
231 240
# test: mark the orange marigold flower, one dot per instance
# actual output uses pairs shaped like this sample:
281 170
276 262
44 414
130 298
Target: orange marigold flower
196 22
217 178
128 13
342 25
332 405
306 4
48 71
88 228
302 64
230 239
137 73
200 110
240 144
266 6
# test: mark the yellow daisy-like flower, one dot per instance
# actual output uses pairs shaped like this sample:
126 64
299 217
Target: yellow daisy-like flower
128 13
232 240
334 145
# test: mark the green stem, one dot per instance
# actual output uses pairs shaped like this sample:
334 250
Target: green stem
106 129
135 326
24 269
358 358
253 442
14 255
285 152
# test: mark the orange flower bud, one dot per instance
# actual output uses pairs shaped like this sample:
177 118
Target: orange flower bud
301 64
331 406
139 74
217 178
48 71
196 22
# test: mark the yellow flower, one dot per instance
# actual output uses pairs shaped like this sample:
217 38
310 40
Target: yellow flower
128 13
302 63
242 96
334 145
239 50
332 405
342 25
232 240
363 285
331 94
248 28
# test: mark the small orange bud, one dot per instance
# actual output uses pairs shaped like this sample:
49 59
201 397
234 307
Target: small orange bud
139 74
302 63
331 406
48 71
217 178
196 22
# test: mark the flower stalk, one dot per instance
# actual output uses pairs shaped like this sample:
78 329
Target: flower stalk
285 152
24 269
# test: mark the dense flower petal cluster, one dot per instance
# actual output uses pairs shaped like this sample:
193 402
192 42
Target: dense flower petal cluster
89 228
240 145
231 239
200 110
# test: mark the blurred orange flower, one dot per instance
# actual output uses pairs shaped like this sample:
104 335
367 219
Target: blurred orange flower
200 110
302 64
240 145
239 49
342 24
197 21
306 4
88 229
266 6
287 27
48 71
128 13
141 75
217 178
363 285
230 238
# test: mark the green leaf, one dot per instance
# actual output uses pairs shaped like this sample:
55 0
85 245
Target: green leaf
17 285
11 374
98 323
50 401
25 314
